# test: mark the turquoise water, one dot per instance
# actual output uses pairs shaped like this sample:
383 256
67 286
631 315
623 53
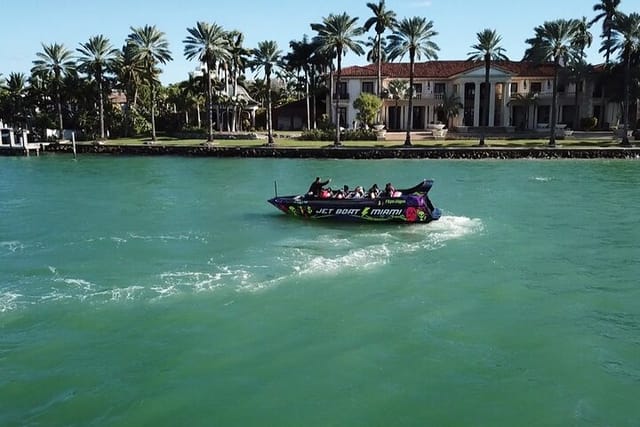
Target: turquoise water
166 291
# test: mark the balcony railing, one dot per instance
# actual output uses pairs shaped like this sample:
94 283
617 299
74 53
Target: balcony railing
341 95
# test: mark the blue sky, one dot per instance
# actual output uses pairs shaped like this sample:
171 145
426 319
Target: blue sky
28 23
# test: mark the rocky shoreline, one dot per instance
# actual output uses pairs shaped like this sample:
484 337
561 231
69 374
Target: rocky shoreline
346 152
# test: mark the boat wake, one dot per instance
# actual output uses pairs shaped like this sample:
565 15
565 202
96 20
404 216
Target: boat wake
354 249
362 251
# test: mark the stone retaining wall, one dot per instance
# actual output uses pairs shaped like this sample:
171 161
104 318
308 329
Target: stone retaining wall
349 152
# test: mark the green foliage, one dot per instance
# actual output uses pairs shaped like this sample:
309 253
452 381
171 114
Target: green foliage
324 122
132 123
588 123
368 106
329 135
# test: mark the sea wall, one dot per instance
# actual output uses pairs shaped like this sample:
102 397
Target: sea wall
350 152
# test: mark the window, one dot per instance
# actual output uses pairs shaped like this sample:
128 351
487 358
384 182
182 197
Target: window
514 87
341 91
342 114
438 88
536 87
367 87
417 90
597 91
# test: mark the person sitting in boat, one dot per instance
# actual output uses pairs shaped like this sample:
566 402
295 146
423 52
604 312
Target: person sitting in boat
359 192
316 187
342 194
390 191
326 193
374 191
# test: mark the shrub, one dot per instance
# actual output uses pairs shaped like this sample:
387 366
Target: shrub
368 106
329 135
588 123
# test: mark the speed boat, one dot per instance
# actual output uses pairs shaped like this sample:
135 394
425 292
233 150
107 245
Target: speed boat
411 205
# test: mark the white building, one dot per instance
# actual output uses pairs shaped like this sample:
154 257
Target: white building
520 97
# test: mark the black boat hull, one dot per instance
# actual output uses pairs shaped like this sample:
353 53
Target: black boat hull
413 206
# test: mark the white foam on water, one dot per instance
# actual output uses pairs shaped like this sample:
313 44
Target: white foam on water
8 301
199 281
361 250
12 246
163 237
453 227
365 251
541 178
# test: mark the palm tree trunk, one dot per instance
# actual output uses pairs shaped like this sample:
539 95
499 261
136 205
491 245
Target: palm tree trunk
209 106
59 108
198 118
153 113
407 140
487 98
59 104
313 98
101 98
379 118
554 103
306 97
625 109
269 130
338 75
331 94
576 114
379 66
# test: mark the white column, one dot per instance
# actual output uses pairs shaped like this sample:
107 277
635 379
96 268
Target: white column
506 114
476 104
492 103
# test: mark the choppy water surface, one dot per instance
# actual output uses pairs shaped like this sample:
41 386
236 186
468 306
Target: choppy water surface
166 291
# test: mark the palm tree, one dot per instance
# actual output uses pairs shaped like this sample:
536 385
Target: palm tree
413 36
268 58
321 79
627 28
578 71
381 20
97 56
149 48
554 41
55 61
487 49
398 90
300 58
336 36
578 68
372 53
237 64
450 107
608 13
16 89
129 76
207 43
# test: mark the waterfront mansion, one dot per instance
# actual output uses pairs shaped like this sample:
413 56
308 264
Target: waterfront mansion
520 95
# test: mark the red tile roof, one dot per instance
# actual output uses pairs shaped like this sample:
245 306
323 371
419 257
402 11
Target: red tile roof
447 69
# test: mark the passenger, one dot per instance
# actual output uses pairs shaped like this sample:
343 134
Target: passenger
374 191
325 193
358 193
316 187
389 191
